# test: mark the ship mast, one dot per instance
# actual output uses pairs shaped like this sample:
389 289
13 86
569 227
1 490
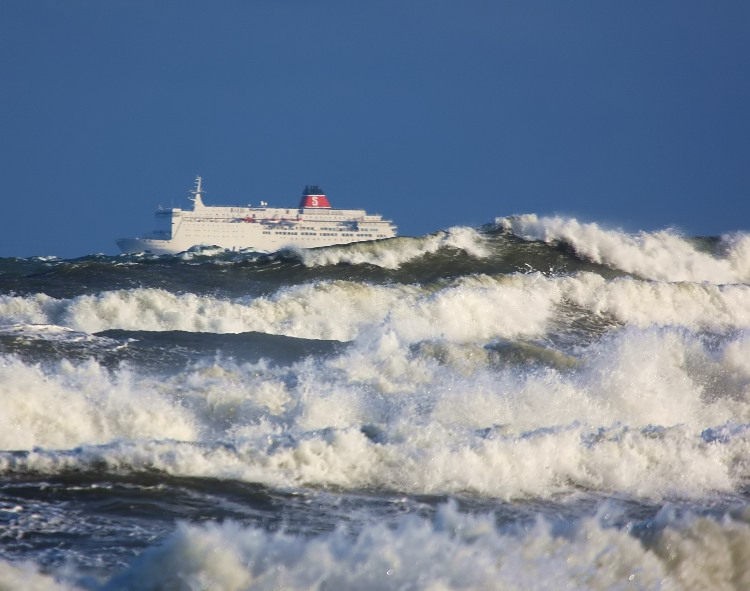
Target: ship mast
196 194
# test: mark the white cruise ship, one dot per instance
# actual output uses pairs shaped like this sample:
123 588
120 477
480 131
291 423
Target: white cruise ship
266 229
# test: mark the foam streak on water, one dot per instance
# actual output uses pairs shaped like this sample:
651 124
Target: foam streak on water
539 404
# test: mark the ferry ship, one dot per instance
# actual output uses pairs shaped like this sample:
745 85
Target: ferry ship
265 229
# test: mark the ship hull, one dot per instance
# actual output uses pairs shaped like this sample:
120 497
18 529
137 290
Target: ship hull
135 245
157 246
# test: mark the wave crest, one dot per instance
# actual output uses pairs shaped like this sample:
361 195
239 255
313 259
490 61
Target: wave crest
660 256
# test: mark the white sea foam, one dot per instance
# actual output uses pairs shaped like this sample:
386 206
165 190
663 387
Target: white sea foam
471 309
662 256
304 311
67 405
27 576
698 306
736 248
631 415
450 551
453 552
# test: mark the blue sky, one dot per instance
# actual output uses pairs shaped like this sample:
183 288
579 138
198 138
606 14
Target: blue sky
633 114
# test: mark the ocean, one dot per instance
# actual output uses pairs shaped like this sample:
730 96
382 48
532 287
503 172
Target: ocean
537 403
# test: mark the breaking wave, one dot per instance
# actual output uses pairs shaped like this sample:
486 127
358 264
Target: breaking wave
660 256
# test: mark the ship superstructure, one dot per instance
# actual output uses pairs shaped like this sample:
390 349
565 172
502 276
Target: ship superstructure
266 229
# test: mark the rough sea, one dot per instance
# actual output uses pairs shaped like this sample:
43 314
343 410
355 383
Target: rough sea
538 403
